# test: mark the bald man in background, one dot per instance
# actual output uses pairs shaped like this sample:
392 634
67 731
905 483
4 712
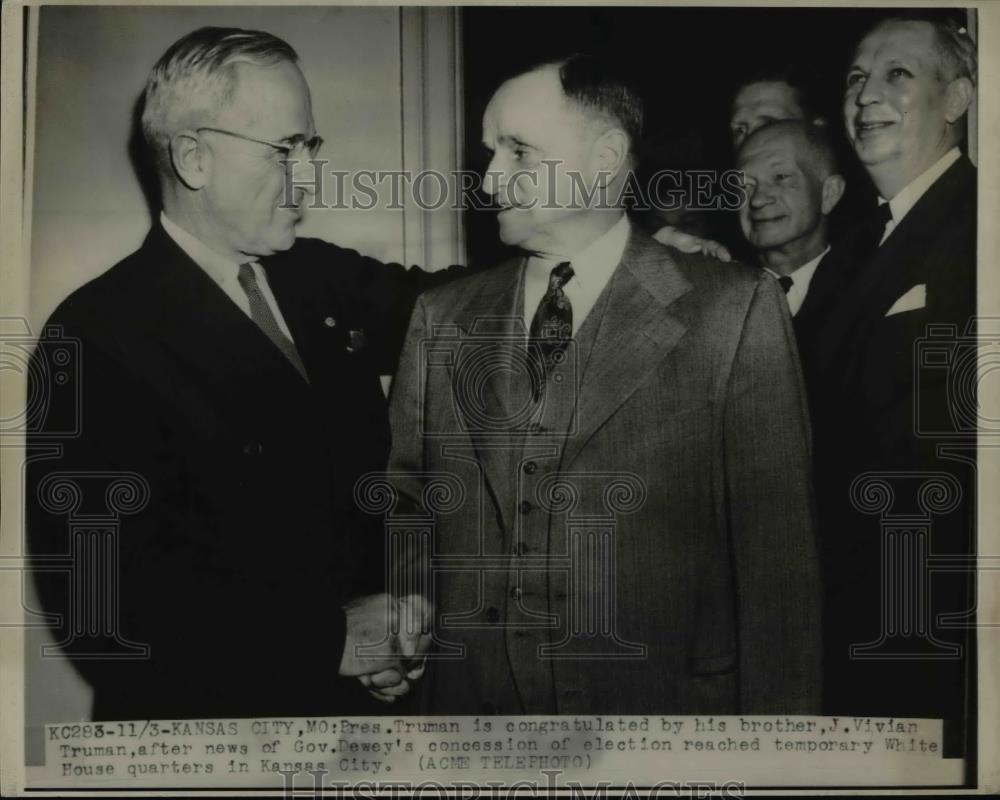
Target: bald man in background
792 185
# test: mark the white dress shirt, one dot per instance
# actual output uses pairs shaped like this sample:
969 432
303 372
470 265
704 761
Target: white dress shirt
592 269
908 196
225 272
801 278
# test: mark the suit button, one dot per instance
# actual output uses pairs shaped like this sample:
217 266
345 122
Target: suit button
253 449
525 507
515 592
530 467
330 322
492 615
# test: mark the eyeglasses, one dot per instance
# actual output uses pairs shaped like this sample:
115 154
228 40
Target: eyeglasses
296 147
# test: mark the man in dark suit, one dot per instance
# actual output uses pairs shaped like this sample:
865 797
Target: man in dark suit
792 185
911 266
624 432
229 375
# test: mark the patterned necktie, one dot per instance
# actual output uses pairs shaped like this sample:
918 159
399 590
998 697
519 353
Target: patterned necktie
552 325
261 314
786 282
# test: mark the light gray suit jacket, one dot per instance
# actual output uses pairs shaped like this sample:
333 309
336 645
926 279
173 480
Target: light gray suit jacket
653 550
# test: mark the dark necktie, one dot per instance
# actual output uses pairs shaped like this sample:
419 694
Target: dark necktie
552 325
874 227
786 282
261 314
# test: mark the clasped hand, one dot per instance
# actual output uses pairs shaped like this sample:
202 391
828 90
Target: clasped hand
386 644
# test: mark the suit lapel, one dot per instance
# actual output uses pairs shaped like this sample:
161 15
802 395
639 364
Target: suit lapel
822 288
306 313
899 258
890 270
195 319
635 335
493 313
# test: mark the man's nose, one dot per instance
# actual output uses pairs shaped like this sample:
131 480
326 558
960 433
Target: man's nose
493 180
871 91
306 175
759 197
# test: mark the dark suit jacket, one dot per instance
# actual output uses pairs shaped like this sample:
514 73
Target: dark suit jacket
692 390
824 289
865 383
235 571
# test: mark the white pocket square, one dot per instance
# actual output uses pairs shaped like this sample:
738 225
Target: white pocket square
911 301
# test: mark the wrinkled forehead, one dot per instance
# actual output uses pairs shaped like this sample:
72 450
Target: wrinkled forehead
768 148
772 152
767 96
901 40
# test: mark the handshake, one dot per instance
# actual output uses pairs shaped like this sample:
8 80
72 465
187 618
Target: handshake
386 644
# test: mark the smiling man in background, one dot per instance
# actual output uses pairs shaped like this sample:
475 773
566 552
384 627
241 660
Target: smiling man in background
792 185
909 266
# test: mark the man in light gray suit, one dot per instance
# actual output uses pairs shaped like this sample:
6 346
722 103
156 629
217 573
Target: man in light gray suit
622 429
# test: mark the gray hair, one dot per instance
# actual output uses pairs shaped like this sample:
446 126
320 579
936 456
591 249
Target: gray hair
195 78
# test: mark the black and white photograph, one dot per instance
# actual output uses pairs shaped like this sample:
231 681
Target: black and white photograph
499 398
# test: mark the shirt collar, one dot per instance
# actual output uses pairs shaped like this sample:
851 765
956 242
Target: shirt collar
803 273
596 262
801 278
218 268
908 196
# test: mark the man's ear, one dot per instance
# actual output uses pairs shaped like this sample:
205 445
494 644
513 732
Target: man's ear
189 160
833 190
610 152
958 98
